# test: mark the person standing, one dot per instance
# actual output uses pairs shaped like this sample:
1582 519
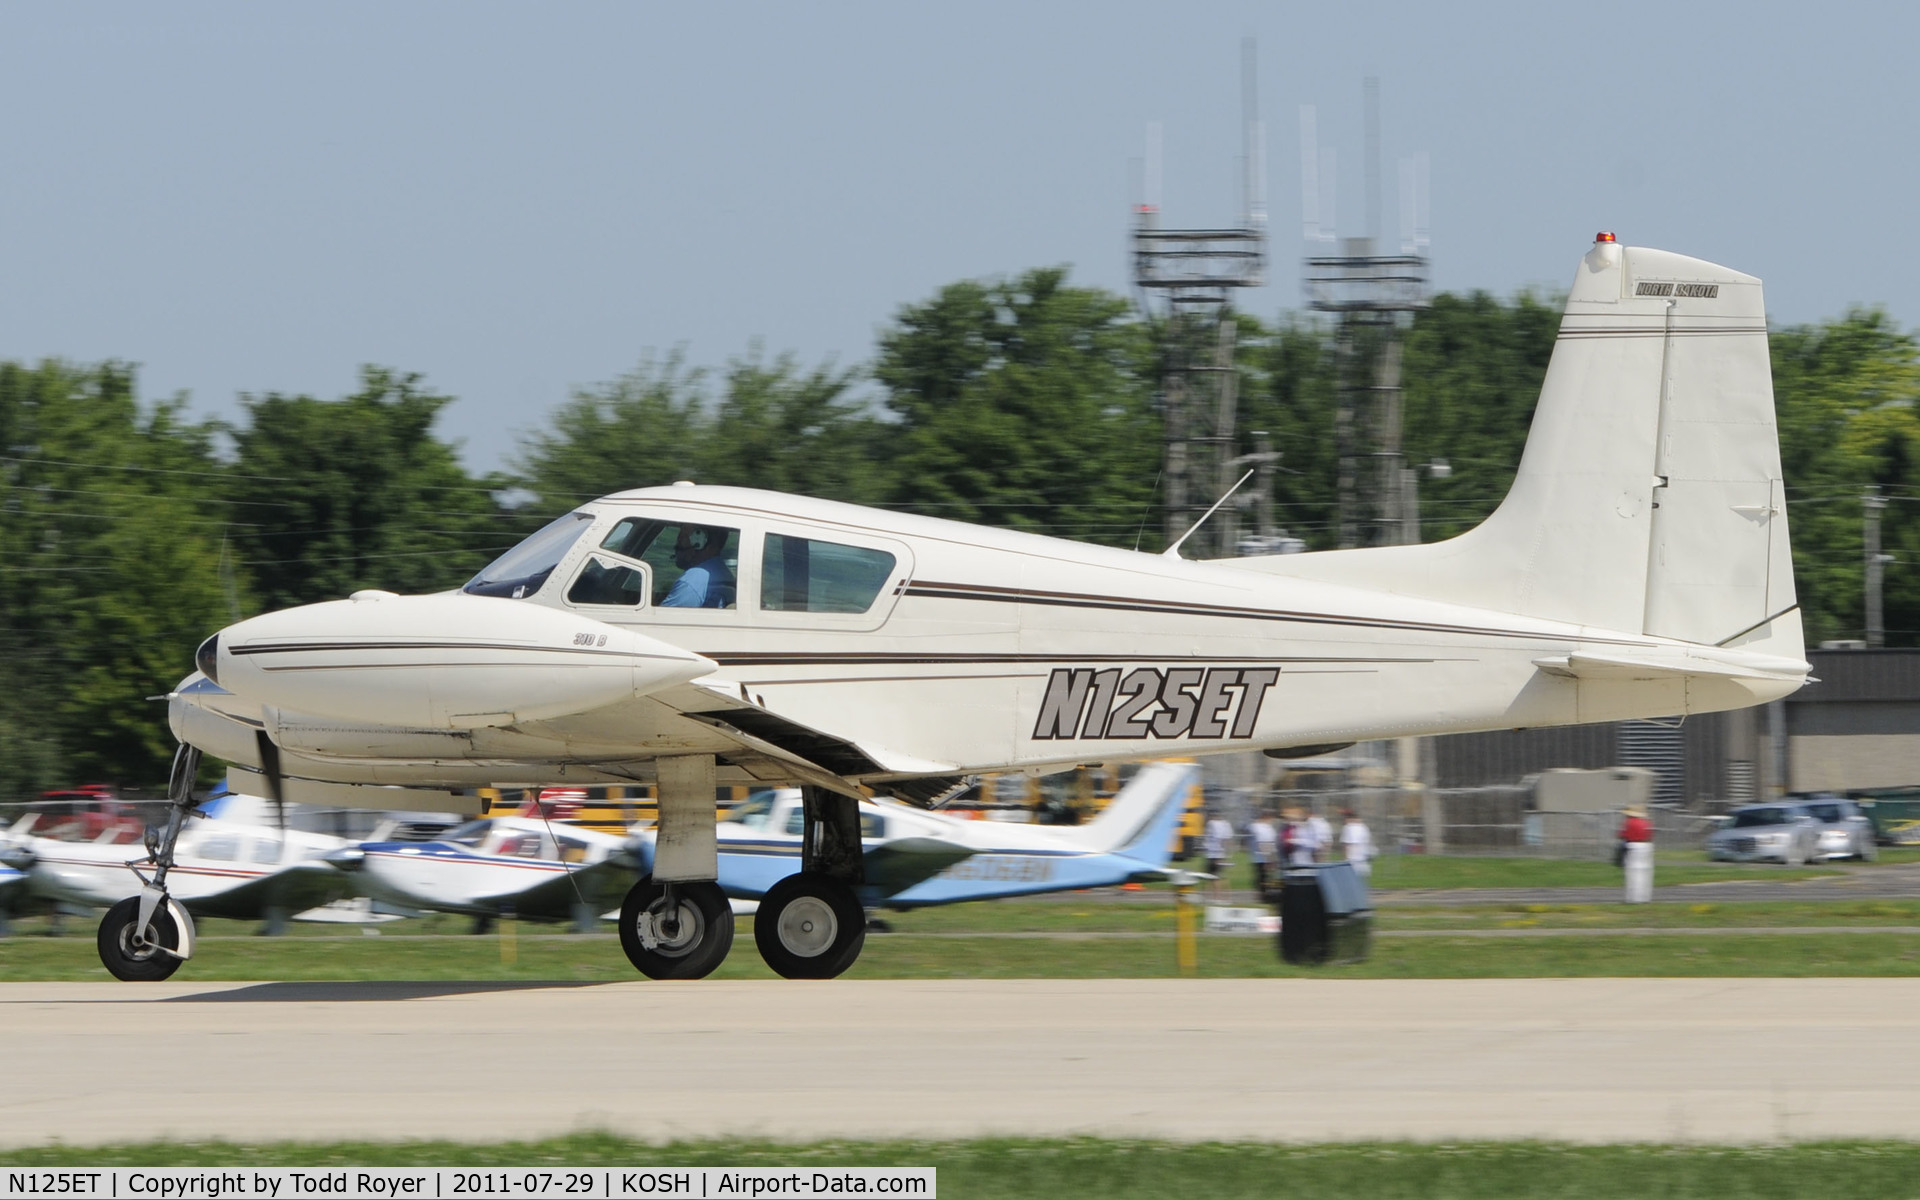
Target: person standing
1216 840
1264 843
1322 837
1303 849
1356 844
1636 846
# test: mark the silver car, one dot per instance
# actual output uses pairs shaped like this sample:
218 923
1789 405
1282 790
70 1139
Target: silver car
1844 831
1785 833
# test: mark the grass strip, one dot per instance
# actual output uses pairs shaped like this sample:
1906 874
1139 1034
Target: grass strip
1120 1169
904 956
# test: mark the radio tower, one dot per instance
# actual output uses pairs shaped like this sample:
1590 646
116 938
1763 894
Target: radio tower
1372 296
1186 278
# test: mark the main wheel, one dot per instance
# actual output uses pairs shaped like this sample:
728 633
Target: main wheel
688 939
1869 849
810 926
127 957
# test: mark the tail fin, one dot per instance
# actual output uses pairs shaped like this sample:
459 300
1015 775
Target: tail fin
1649 497
1141 819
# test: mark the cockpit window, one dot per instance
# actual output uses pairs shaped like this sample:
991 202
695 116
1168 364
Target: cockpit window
522 570
802 575
693 566
470 835
606 580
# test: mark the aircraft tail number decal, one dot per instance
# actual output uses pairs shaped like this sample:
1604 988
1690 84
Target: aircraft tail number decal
1175 702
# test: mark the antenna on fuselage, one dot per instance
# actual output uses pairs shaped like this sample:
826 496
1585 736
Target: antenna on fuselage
1173 551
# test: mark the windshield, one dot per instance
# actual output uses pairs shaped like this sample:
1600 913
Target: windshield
471 834
754 812
521 570
1748 818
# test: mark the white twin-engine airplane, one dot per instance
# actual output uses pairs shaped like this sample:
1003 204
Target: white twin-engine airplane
693 636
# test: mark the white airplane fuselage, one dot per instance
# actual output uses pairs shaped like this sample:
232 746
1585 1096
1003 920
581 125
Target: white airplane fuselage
1640 567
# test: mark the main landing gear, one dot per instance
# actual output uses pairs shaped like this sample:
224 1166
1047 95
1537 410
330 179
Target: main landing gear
677 930
146 937
812 925
676 923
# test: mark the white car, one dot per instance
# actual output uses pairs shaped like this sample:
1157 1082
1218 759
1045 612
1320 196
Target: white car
1785 833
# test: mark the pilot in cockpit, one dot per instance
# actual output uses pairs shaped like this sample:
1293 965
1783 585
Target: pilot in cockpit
705 581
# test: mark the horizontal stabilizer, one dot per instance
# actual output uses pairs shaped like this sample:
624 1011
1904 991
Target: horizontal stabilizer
1689 664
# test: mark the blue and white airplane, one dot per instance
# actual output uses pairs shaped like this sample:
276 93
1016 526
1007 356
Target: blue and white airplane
917 859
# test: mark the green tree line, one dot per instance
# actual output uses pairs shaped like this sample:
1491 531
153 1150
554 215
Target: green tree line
130 531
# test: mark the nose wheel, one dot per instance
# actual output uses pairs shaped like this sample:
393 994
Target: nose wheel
132 955
810 926
676 930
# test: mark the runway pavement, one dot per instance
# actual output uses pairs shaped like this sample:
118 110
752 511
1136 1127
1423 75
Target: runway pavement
1591 1059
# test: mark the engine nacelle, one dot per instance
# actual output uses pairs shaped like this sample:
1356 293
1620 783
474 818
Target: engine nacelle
445 661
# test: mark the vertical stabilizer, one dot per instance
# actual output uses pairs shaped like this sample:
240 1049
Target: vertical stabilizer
1649 496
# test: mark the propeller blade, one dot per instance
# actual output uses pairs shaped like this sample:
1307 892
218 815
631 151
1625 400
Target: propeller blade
270 767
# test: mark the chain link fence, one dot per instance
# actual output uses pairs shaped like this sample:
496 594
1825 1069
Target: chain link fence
1479 821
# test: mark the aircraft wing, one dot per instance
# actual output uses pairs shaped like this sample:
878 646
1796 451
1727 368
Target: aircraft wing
602 885
897 865
296 888
822 759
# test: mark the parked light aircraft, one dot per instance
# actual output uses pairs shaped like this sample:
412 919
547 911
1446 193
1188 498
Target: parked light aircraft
946 860
13 888
230 864
1640 566
530 868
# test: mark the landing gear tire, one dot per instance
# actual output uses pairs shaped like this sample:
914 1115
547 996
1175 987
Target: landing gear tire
1869 850
130 959
685 938
810 926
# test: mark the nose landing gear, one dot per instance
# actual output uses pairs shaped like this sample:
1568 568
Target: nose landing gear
145 938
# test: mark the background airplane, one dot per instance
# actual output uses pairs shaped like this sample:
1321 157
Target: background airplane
527 867
916 858
229 863
13 887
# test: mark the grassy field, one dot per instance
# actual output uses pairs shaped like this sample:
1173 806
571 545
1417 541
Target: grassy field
1113 934
1087 1167
954 954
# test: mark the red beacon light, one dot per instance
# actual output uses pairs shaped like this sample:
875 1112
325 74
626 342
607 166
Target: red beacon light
1604 236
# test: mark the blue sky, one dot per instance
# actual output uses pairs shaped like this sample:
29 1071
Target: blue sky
516 200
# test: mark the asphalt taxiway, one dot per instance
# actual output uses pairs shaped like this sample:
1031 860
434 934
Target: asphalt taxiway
1586 1059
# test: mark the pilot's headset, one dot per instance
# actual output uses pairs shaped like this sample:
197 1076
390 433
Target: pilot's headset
694 548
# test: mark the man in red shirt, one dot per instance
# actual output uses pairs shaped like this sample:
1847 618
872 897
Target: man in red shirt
1636 845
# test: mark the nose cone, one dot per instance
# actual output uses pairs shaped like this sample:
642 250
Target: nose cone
448 661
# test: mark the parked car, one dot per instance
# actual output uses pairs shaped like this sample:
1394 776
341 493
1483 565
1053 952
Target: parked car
1785 833
1845 831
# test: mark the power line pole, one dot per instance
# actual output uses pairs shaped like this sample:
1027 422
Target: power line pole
1194 272
1372 296
1873 503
